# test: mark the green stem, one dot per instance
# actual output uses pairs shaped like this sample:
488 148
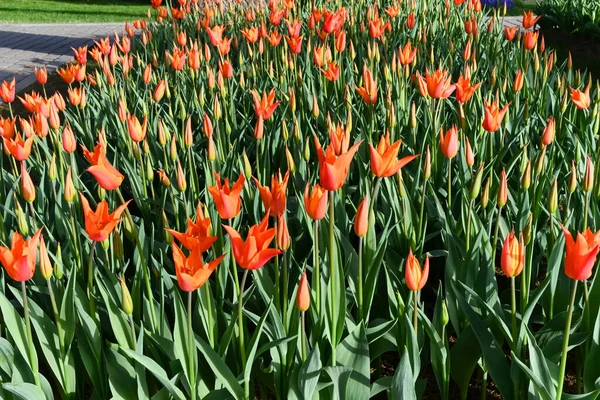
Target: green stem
29 335
61 339
449 183
303 333
420 238
513 292
241 329
416 311
211 335
332 274
191 346
586 209
90 285
563 358
468 233
360 279
495 242
586 315
317 270
284 278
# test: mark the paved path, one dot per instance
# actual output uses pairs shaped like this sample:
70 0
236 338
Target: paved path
25 46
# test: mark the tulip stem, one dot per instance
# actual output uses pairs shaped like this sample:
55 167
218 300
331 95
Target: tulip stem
75 241
303 334
416 310
192 347
563 358
211 334
424 192
332 274
449 184
360 279
90 287
468 230
235 272
513 293
241 329
495 242
61 340
586 209
32 362
317 271
284 278
586 314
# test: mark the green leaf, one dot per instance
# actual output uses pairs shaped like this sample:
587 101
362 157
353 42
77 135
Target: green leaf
156 370
67 310
403 384
24 391
353 352
339 377
220 369
16 328
591 372
118 319
309 373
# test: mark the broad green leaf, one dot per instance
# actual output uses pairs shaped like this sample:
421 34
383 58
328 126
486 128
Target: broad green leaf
403 384
220 369
24 391
353 352
309 373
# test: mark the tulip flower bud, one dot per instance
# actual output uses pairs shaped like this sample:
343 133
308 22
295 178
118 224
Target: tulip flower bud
444 317
476 183
573 180
552 202
526 178
126 302
503 190
528 230
524 160
58 267
247 166
217 113
361 221
173 150
413 116
181 181
297 133
52 168
21 219
401 305
548 135
485 196
303 294
101 193
69 191
283 235
539 165
45 264
27 186
105 244
128 229
290 161
588 177
165 221
117 244
307 150
201 97
315 106
427 165
469 156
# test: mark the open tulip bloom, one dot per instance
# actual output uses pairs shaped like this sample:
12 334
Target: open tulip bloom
233 236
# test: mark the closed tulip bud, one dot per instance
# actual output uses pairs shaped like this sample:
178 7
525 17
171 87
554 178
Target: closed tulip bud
524 159
401 190
307 150
21 219
58 268
469 156
303 294
548 135
117 244
173 150
427 165
552 203
528 230
361 221
45 264
201 97
290 161
444 317
181 181
526 178
101 193
159 92
126 302
27 186
69 191
297 133
52 168
315 106
588 177
573 180
503 190
476 183
485 196
182 113
285 133
539 164
493 77
413 116
217 113
512 257
401 305
166 227
283 235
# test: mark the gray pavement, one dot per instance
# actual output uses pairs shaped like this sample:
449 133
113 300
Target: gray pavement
25 46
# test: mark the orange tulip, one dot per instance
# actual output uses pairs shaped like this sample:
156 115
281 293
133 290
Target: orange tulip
333 21
513 256
333 169
410 21
108 177
469 156
416 278
548 135
519 79
509 33
215 34
137 131
41 75
369 89
437 85
464 89
159 91
197 235
251 34
19 260
99 224
493 116
303 294
581 99
265 106
18 148
191 271
177 59
253 253
274 198
383 158
407 54
283 235
503 189
580 254
449 142
27 186
315 203
227 199
530 40
7 91
529 20
377 27
332 73
295 43
361 221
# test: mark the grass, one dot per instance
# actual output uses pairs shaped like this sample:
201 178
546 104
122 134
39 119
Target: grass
55 11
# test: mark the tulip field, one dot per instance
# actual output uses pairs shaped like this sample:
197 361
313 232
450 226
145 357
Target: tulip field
304 200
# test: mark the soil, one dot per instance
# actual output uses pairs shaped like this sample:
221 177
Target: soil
585 50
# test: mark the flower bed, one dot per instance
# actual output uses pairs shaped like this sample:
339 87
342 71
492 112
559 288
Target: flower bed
269 201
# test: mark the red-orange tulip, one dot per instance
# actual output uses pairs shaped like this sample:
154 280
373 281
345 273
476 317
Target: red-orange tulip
493 116
303 294
333 21
416 278
191 271
333 169
7 91
519 80
27 186
407 54
503 189
509 33
529 20
18 148
197 235
274 197
99 224
581 99
41 75
283 234
384 160
449 142
548 135
137 131
107 176
332 73
437 85
361 221
581 254
315 203
513 256
530 39
464 89
254 252
19 260
227 199
369 89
